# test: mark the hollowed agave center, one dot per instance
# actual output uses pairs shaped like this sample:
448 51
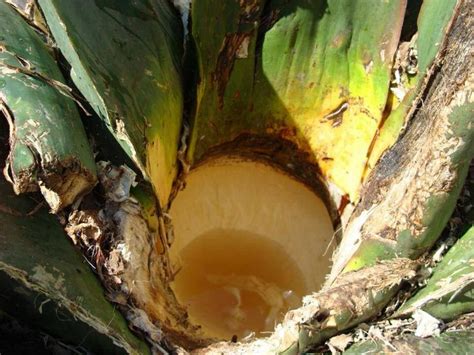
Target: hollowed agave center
250 241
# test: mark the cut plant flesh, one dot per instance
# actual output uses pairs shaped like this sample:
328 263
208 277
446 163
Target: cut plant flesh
250 241
238 159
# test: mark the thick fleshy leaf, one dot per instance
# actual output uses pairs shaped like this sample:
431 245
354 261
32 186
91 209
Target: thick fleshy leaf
49 148
46 275
450 291
410 196
434 20
457 342
125 59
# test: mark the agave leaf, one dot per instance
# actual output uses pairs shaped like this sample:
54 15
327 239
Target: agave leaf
31 13
125 59
414 188
409 197
450 290
313 72
49 147
42 265
434 20
458 342
39 313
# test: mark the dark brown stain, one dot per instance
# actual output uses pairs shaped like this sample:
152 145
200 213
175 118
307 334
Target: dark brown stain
250 11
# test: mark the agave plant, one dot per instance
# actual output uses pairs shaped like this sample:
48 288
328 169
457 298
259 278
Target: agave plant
191 170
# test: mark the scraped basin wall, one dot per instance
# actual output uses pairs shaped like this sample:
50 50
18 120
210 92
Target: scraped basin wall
252 196
253 199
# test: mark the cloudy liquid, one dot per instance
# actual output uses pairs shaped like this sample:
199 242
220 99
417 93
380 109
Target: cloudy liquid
234 283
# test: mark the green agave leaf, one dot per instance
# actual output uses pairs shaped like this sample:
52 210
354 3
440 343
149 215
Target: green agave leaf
434 20
314 72
125 59
40 314
450 290
413 237
415 186
459 342
46 275
49 147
